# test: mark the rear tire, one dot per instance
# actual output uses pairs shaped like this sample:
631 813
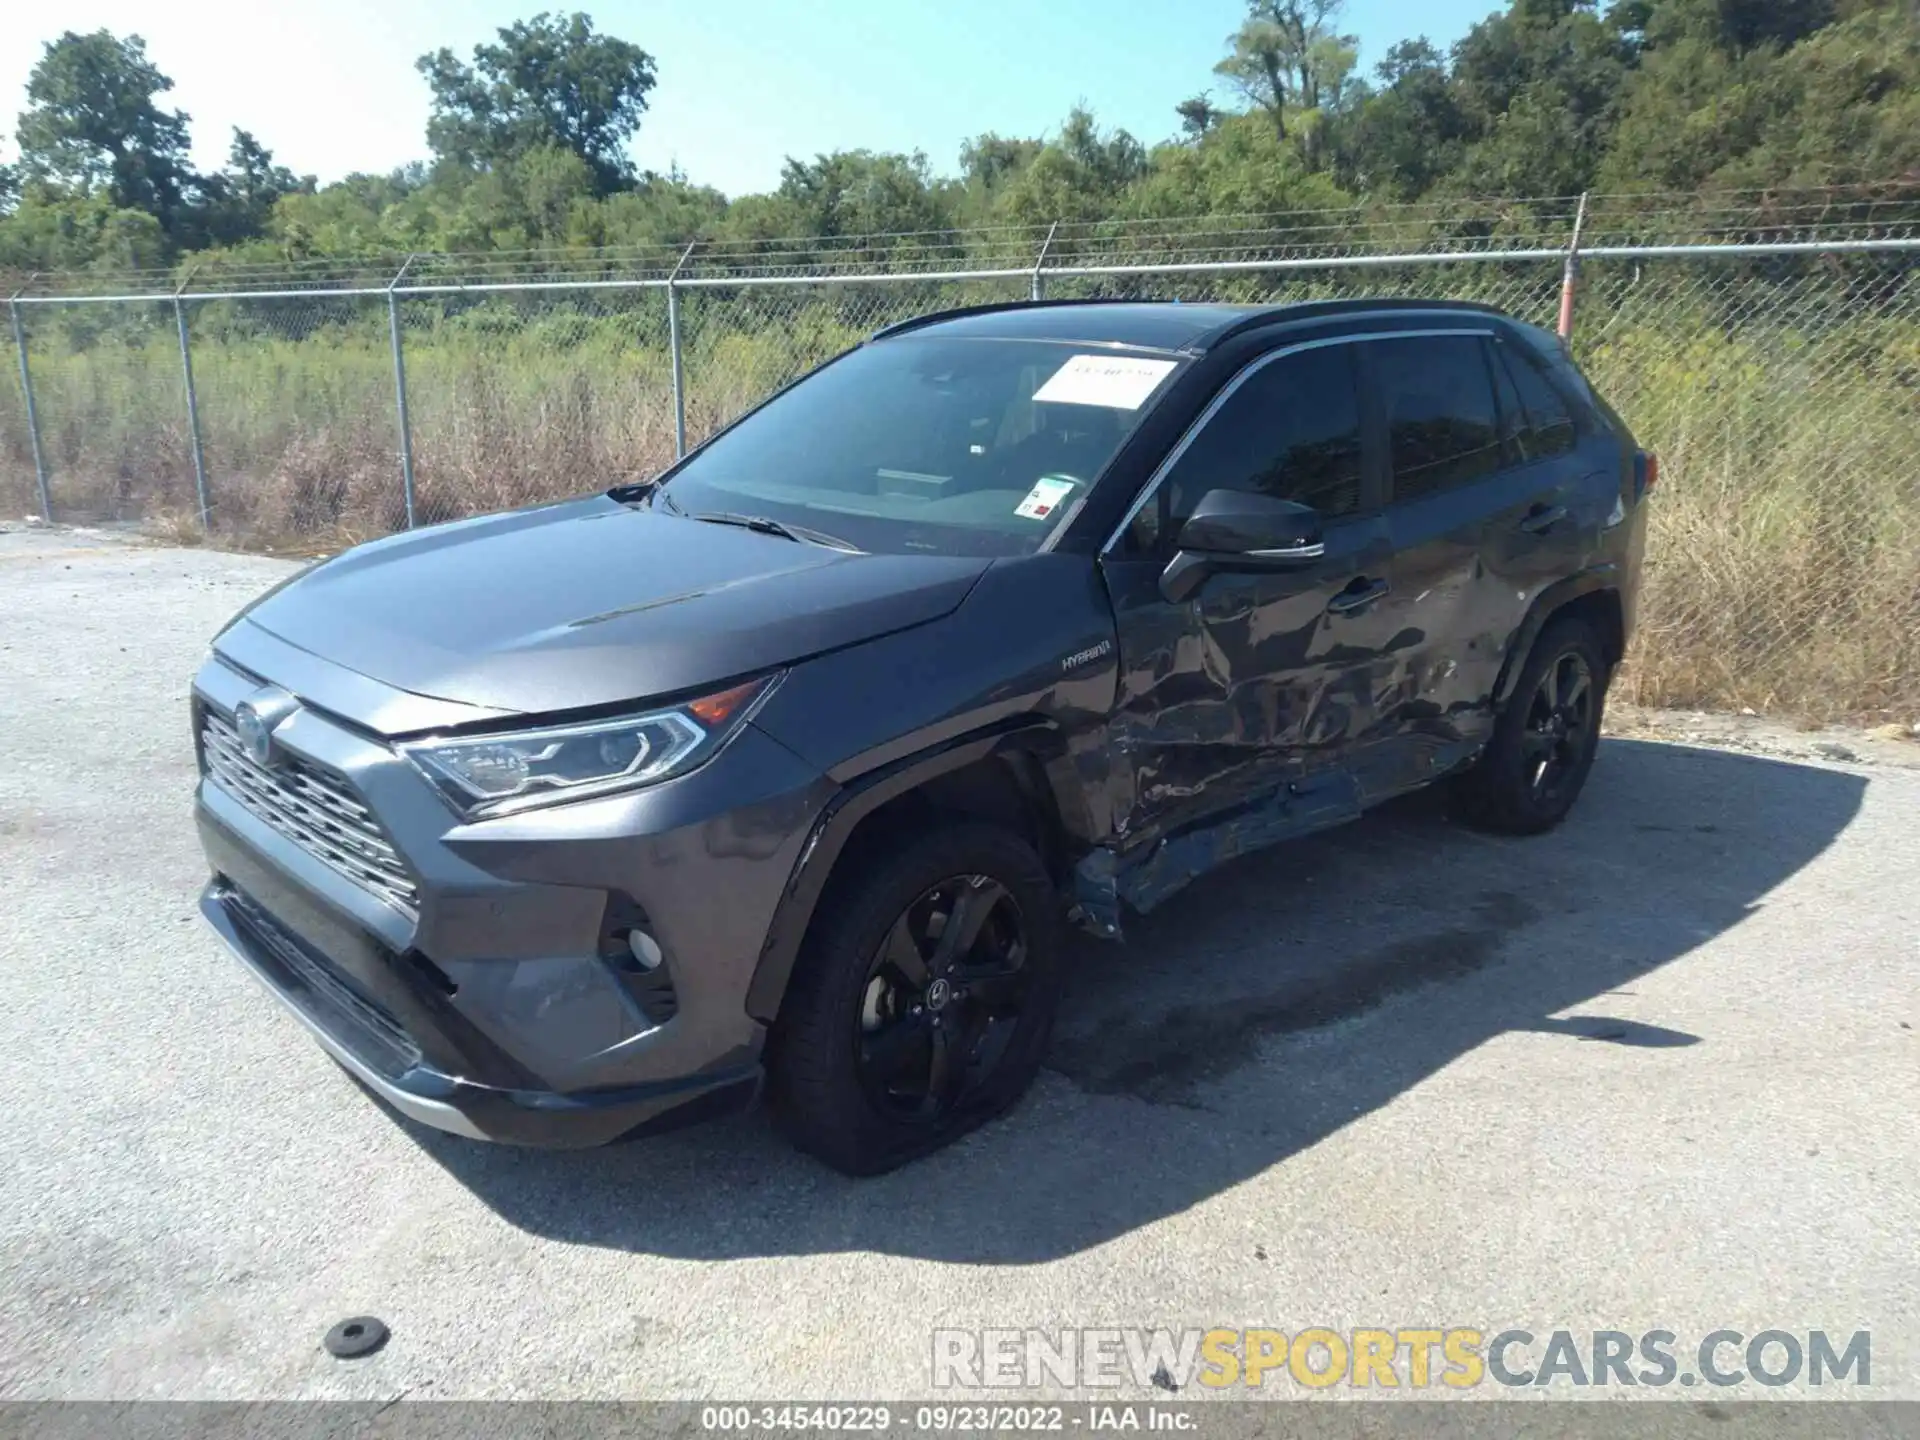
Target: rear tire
1544 741
889 1043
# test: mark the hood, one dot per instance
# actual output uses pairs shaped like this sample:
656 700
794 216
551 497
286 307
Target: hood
592 602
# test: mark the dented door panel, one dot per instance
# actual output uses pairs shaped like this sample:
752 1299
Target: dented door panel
1250 685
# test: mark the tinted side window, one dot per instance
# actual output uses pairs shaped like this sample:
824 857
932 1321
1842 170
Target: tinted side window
1547 428
1513 415
1442 429
1292 430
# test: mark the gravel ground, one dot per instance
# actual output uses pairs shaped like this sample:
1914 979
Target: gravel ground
1656 1070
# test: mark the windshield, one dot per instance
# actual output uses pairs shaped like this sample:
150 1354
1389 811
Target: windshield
929 443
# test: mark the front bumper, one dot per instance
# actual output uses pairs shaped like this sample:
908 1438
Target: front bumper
385 1060
497 1006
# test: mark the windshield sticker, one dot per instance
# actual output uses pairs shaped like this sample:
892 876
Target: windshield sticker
1119 382
1044 498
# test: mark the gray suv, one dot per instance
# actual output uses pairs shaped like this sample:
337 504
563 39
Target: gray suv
798 763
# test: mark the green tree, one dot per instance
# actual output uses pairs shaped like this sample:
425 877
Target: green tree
989 164
1081 174
1728 98
550 81
1690 109
1845 107
1409 133
1287 59
1540 88
1110 160
1542 97
1239 167
362 214
54 230
1730 26
858 192
540 198
1197 115
92 125
253 178
660 210
237 203
990 160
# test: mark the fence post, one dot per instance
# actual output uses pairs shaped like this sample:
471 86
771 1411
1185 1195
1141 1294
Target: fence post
193 409
1570 273
400 390
673 345
1039 288
33 416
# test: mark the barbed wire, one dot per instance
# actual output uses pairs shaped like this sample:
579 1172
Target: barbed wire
1457 226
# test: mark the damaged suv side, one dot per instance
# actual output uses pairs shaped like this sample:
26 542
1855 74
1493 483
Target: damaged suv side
561 825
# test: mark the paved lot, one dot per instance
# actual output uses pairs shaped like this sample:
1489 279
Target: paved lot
1659 1069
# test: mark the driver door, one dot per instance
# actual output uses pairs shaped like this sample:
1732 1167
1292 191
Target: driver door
1265 681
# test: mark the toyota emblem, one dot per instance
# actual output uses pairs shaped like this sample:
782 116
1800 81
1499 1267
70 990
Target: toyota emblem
256 738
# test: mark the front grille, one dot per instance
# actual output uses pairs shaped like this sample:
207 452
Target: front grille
315 809
325 994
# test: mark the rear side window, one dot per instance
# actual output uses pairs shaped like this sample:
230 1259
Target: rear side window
1543 426
1291 430
1547 351
1513 415
1437 396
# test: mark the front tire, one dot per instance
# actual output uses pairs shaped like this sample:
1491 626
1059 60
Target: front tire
922 1002
1546 736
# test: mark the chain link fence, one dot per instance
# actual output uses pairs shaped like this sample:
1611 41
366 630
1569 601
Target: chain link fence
1769 351
1783 396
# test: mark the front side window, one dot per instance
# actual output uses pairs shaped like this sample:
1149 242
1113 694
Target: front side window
1442 427
929 443
1290 430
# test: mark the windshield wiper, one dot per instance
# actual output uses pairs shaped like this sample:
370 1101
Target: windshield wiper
767 525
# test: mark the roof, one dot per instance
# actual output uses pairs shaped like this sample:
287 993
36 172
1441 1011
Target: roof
1150 324
1146 324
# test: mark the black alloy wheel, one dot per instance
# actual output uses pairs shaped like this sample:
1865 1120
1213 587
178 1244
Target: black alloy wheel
924 996
1545 737
943 999
1558 730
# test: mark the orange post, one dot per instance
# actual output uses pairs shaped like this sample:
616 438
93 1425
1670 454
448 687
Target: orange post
1570 274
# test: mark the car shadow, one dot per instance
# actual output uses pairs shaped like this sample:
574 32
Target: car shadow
1227 1034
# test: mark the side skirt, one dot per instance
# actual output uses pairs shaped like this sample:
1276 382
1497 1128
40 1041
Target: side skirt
1104 880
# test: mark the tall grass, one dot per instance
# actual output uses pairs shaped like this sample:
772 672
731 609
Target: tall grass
1783 564
1783 568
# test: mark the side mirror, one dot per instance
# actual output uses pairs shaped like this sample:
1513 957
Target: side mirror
1237 530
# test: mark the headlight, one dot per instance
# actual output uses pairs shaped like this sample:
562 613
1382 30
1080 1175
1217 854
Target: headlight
495 774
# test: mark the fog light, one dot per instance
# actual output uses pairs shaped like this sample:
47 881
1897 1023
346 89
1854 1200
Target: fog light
645 949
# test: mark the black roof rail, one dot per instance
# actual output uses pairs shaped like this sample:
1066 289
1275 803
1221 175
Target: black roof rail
1326 309
1255 317
992 307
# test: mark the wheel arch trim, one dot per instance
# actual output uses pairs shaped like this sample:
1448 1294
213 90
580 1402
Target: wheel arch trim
1595 580
1027 736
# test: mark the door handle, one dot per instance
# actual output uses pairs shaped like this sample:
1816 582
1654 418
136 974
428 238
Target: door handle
1357 596
1542 518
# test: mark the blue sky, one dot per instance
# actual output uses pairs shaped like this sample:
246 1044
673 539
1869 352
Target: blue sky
330 87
